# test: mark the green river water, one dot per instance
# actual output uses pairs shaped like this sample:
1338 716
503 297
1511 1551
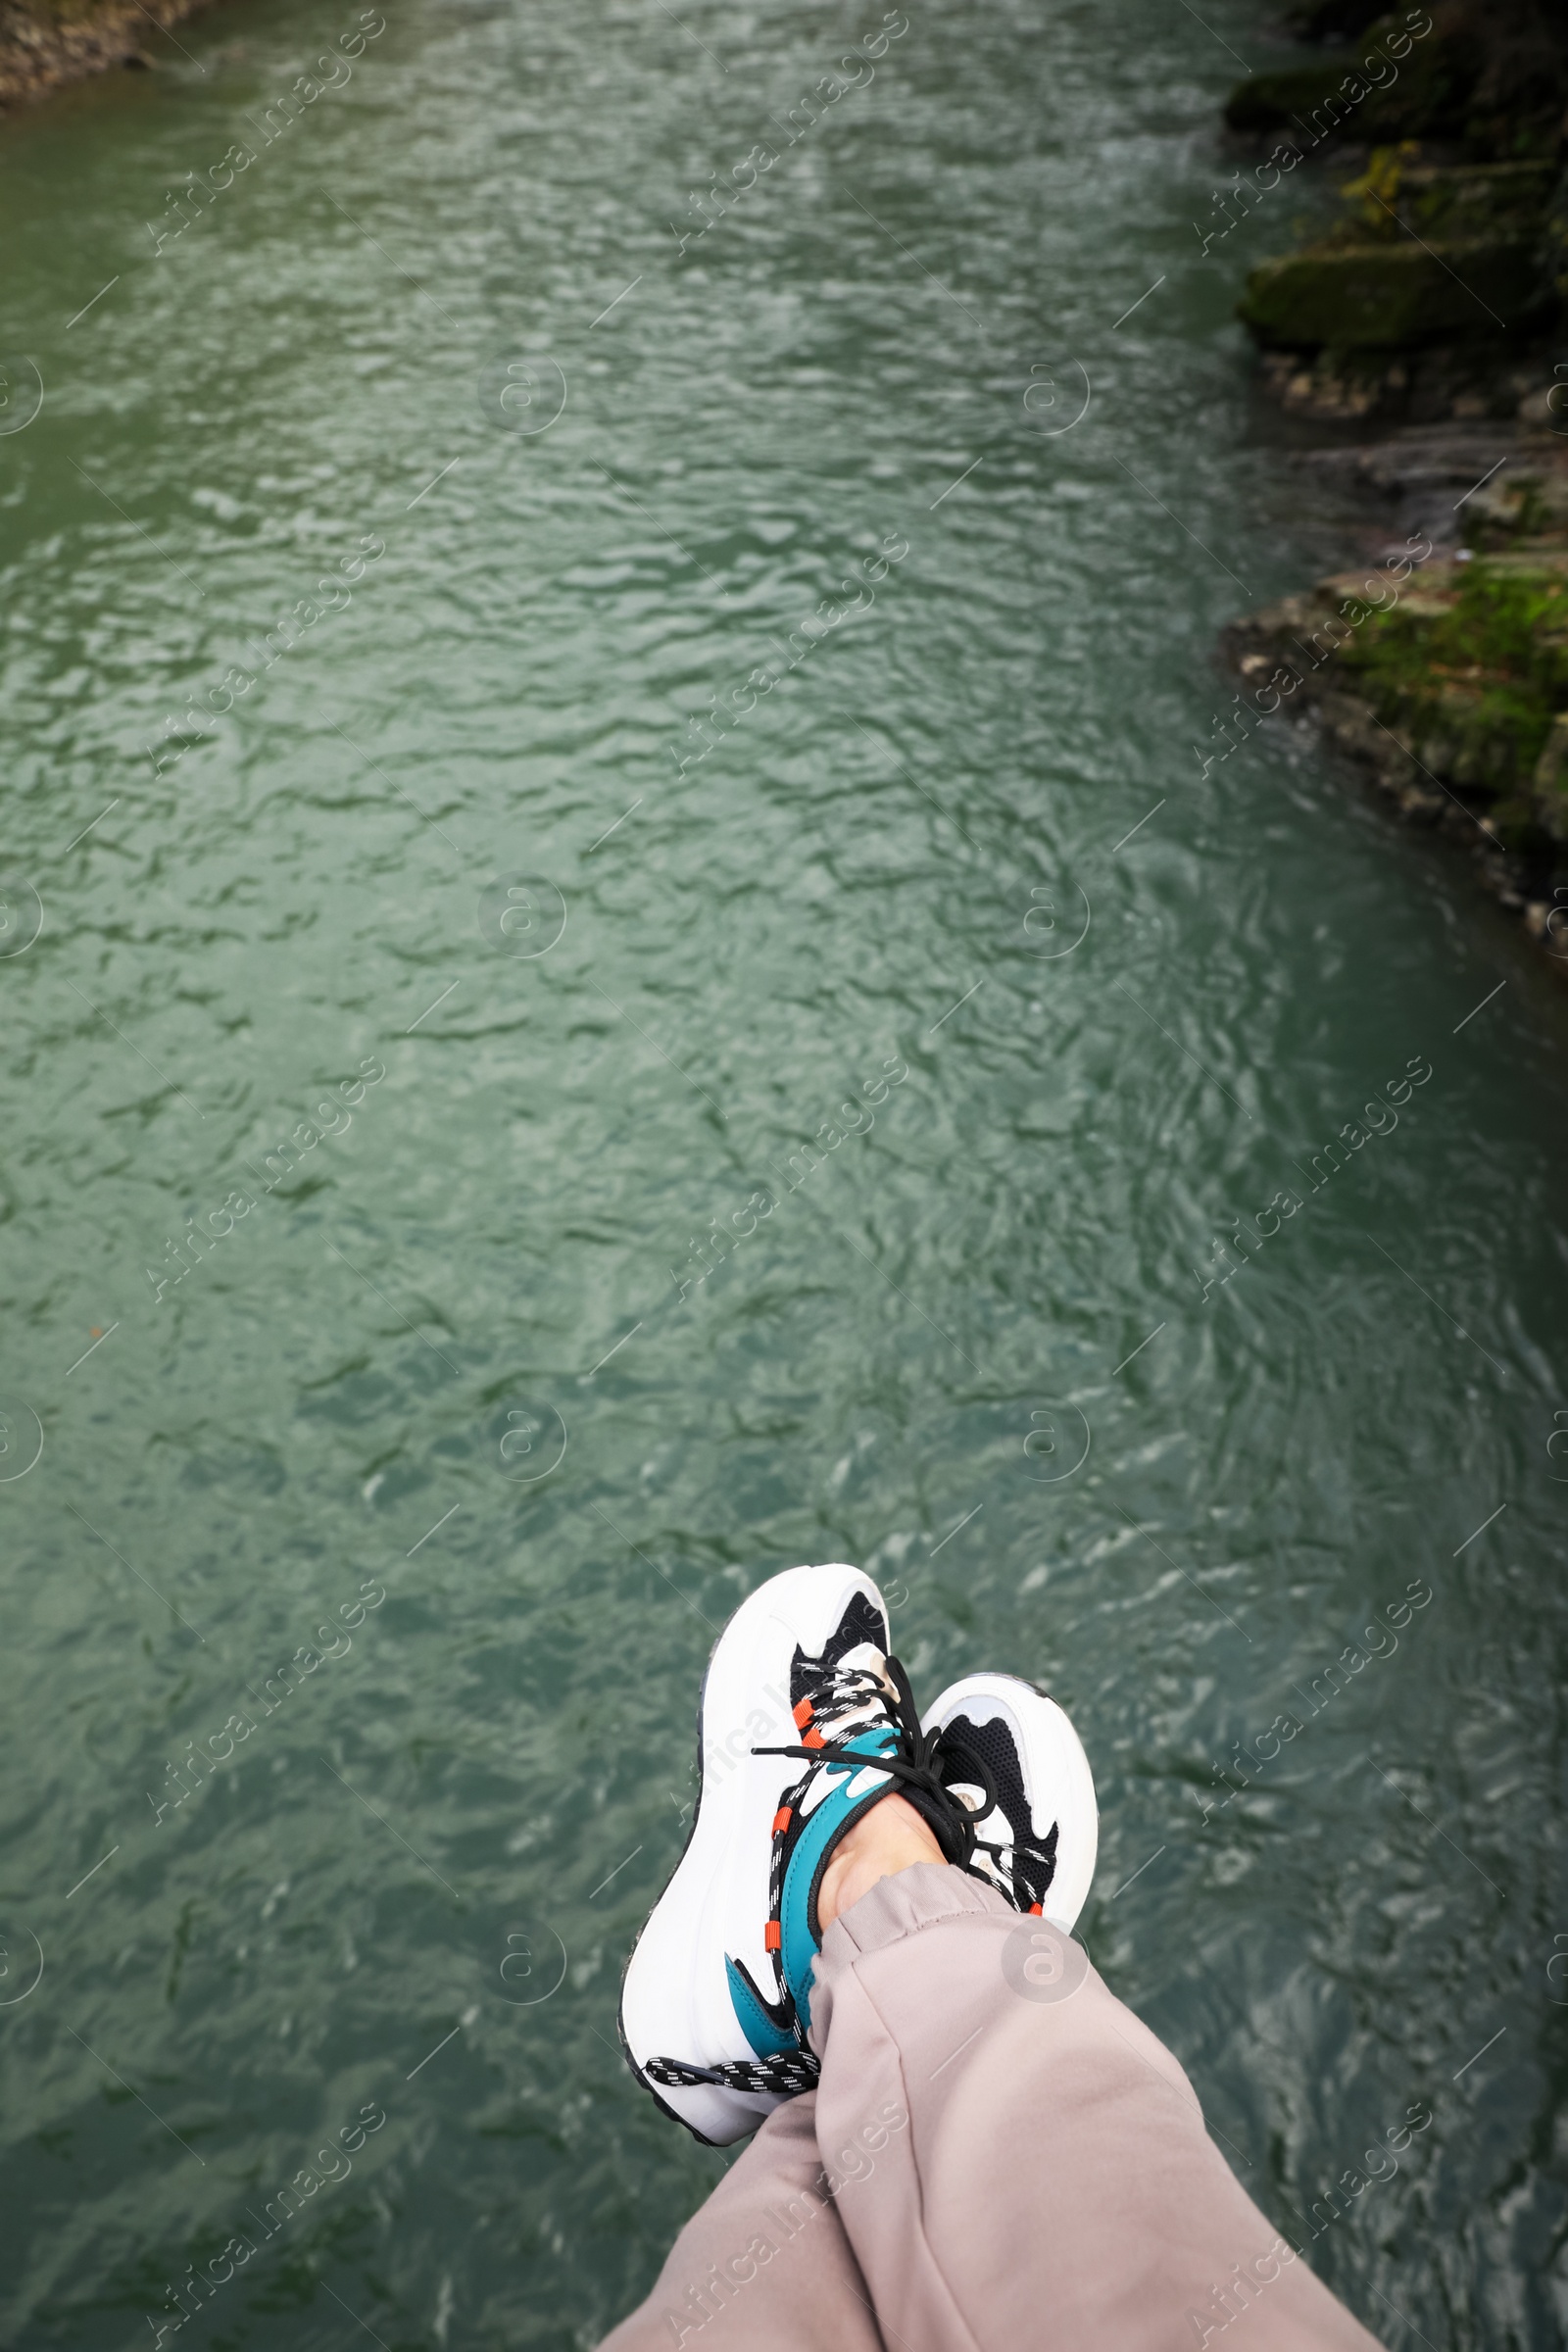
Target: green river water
383 538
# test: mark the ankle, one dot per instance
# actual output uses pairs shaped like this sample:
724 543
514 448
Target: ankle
890 1837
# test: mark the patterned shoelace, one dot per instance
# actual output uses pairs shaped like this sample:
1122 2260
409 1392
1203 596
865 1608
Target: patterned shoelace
792 2072
914 1764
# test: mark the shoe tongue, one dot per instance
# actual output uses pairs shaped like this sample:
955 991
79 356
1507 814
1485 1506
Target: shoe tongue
864 1660
841 1710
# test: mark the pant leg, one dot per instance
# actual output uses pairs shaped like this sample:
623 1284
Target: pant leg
763 2265
1017 2161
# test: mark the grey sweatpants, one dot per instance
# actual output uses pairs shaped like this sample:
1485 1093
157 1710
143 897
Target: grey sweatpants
999 2156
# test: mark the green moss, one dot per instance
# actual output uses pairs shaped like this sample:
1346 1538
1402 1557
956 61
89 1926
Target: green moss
1502 620
1398 195
1369 296
1487 674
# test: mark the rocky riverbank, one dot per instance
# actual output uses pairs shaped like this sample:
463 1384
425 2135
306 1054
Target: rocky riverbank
1434 312
44 43
1442 667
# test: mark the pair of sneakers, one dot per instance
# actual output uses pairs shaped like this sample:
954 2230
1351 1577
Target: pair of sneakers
805 1721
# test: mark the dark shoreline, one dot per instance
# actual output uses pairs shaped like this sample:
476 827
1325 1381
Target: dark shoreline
1377 654
44 48
1433 313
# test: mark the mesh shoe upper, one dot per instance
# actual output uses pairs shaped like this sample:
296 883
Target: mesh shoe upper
981 1762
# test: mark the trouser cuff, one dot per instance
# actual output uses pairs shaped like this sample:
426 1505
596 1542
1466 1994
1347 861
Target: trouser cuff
899 1906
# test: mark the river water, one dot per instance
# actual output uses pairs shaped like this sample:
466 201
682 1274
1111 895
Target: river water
378 909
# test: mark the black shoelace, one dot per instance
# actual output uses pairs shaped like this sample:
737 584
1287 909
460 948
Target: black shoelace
965 1764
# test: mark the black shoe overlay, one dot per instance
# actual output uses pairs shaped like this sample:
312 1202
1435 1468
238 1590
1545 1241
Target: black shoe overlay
862 1621
1034 1855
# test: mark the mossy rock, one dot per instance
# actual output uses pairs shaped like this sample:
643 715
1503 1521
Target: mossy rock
1389 297
1372 93
1549 783
1397 197
1554 240
1477 684
1514 823
1331 19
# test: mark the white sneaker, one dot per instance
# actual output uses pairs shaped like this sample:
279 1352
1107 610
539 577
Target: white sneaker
1011 1756
715 2004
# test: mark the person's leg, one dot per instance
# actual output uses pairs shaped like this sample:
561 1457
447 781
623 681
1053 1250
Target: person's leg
1049 2181
765 2264
1012 2159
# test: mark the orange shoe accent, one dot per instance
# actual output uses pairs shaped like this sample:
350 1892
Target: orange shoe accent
802 1712
1035 1910
813 1740
781 1820
772 1936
